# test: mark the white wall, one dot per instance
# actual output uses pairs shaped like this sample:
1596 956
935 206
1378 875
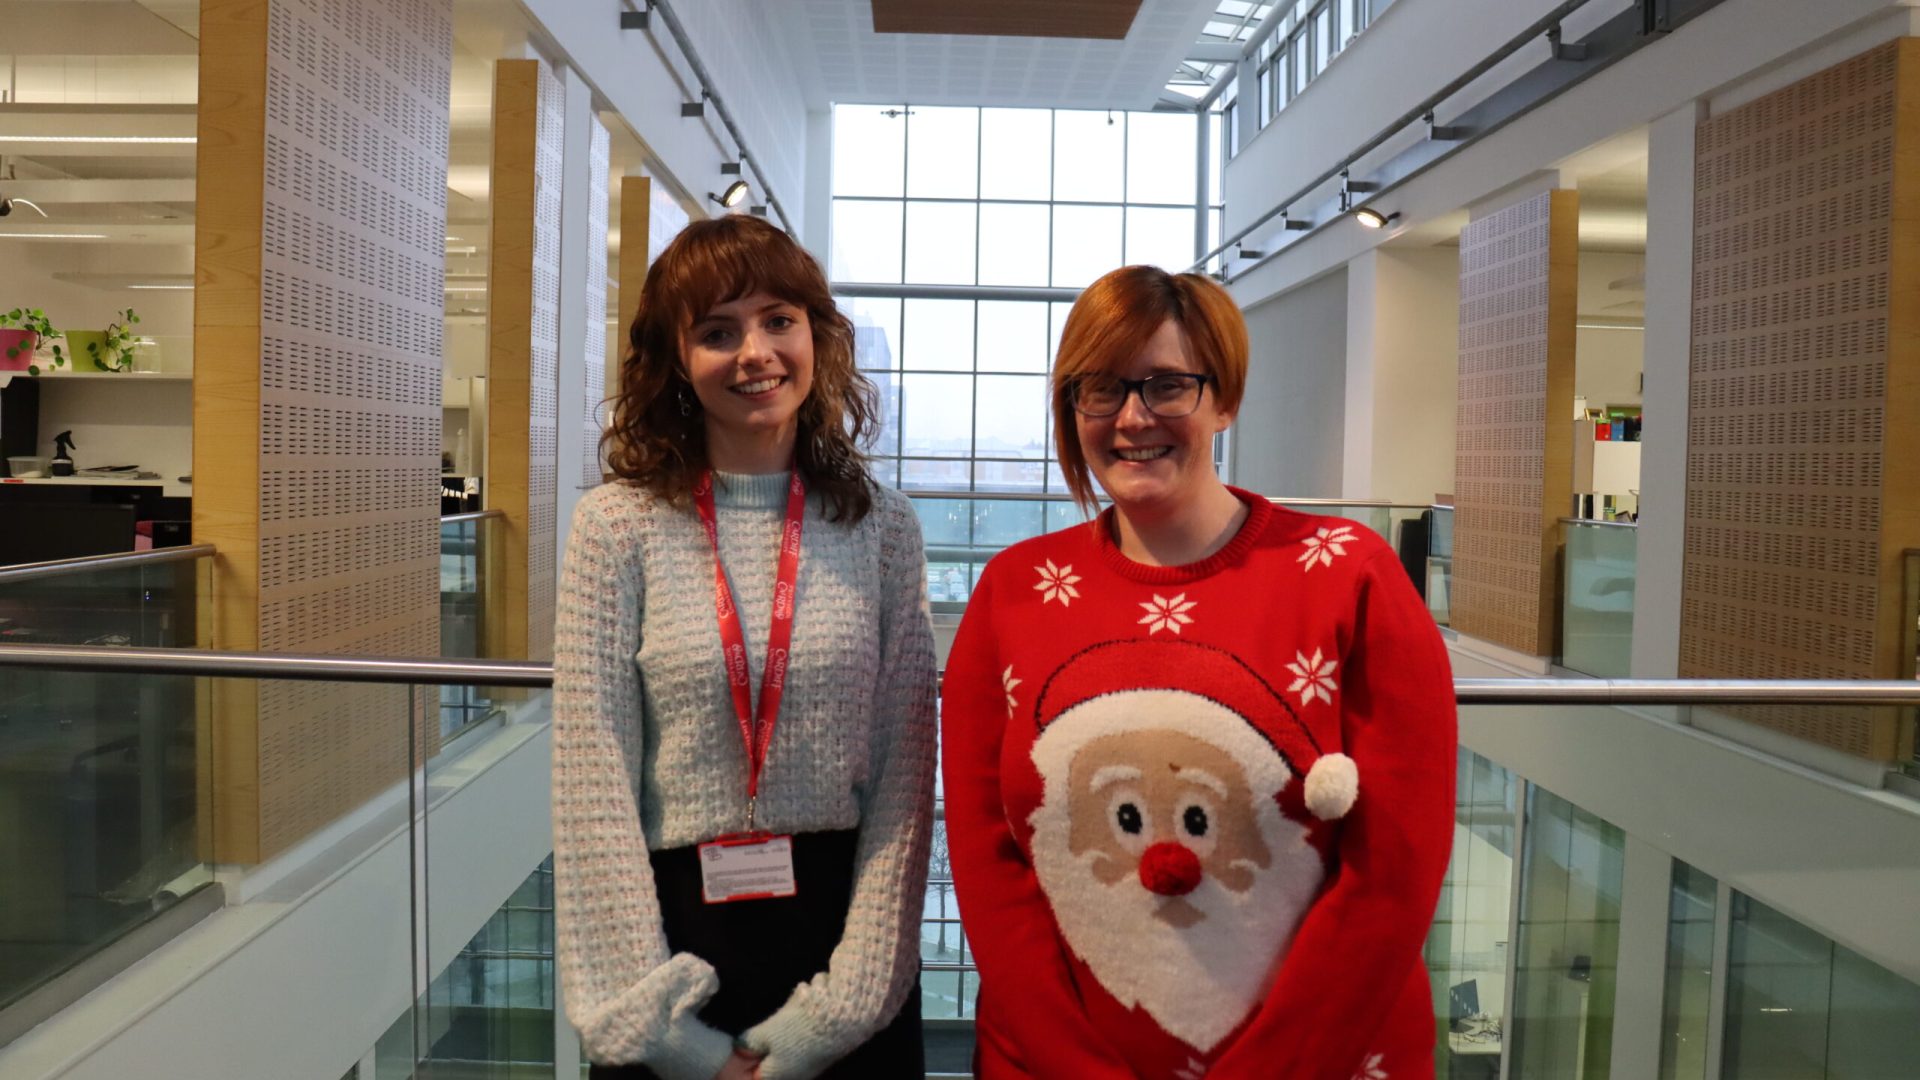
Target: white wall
1403 373
737 42
1606 365
123 421
1409 52
1725 55
1287 439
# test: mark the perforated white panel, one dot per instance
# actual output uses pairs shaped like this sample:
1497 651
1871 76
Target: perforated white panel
351 298
542 463
594 369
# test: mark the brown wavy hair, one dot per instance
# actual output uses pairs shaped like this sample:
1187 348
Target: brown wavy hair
651 444
1110 322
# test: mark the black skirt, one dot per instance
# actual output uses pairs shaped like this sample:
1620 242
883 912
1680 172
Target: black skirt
762 949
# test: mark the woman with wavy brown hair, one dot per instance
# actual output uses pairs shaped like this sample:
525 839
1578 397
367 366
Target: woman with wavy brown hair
743 694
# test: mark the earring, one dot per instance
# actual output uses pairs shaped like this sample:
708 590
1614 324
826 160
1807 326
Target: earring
686 406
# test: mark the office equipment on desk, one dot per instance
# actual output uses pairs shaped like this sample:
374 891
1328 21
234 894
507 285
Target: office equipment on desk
1463 1003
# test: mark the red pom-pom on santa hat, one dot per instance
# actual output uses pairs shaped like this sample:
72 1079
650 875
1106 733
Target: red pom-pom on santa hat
1329 783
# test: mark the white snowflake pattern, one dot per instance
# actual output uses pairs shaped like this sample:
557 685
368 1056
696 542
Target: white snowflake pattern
1371 1069
1008 682
1324 544
1313 677
1057 582
1194 1069
1165 614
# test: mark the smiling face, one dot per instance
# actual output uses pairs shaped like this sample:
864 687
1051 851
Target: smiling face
750 361
1152 465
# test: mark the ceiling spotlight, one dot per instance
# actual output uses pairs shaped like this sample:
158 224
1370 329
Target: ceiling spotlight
1370 218
735 194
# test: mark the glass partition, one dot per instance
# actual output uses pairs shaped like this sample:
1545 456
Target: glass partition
1569 942
1683 1015
1799 1004
963 534
104 812
1596 598
128 601
103 777
1440 565
1467 949
1910 627
467 541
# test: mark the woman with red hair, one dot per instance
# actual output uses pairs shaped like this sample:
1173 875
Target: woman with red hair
1199 752
741 821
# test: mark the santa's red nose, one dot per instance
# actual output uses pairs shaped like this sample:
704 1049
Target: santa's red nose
1170 869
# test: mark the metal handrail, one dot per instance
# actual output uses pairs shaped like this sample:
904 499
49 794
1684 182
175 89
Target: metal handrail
1603 524
992 496
471 515
297 666
1057 496
118 560
538 674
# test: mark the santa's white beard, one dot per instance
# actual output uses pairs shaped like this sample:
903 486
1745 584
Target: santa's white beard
1199 983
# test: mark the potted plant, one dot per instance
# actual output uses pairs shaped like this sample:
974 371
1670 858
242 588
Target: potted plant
110 349
22 331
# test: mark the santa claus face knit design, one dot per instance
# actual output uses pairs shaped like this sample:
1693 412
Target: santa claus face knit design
1224 792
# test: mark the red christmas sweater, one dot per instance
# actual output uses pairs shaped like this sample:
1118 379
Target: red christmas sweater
1199 816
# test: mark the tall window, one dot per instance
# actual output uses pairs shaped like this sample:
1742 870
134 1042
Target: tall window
1012 210
1309 37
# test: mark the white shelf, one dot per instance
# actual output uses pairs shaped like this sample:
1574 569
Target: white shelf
114 376
83 481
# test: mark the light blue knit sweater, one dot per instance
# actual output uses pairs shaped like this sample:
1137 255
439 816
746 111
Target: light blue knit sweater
647 752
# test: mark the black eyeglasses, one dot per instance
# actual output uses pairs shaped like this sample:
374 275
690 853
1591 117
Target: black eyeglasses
1169 395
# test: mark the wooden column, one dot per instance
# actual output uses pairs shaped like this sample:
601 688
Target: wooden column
1519 280
1804 415
523 314
636 225
320 263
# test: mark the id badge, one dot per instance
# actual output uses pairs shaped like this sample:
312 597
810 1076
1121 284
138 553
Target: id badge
747 868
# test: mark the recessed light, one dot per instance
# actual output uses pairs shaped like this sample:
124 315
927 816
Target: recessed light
160 287
52 236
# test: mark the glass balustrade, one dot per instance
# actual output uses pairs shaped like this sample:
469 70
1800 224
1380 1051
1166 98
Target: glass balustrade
1596 598
467 541
1440 565
104 813
1522 951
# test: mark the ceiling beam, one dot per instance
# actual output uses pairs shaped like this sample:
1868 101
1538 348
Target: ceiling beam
51 192
1215 52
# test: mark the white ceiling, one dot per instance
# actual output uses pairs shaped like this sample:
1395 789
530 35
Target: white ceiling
841 59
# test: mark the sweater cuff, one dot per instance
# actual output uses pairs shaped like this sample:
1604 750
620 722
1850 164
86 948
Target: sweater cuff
690 1050
795 1045
656 1023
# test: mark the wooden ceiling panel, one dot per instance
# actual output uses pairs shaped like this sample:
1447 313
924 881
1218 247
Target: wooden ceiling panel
1104 19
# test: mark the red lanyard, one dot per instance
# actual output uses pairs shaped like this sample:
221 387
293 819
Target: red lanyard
756 733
